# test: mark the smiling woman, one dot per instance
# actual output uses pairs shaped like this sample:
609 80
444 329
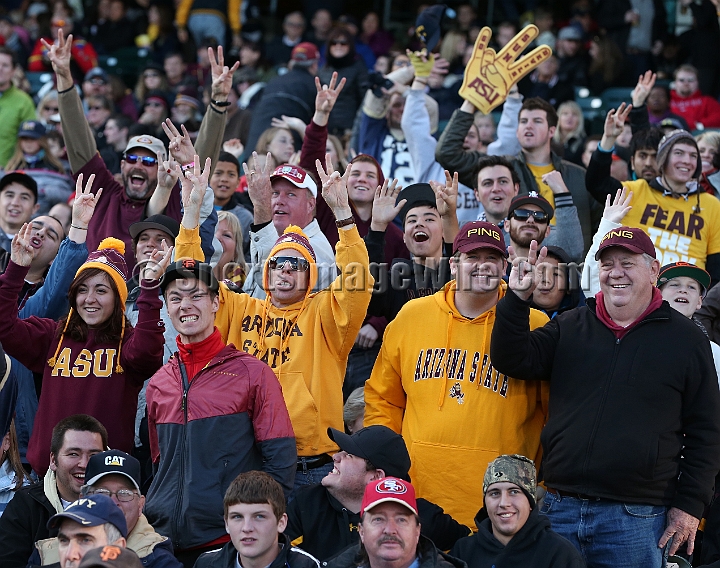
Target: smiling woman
105 358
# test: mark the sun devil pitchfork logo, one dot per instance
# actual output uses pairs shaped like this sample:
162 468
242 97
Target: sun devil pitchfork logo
391 486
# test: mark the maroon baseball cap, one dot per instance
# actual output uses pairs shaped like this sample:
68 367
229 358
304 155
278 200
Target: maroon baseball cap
389 489
296 176
305 51
479 234
630 238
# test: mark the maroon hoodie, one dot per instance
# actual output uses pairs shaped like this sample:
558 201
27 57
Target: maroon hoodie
85 378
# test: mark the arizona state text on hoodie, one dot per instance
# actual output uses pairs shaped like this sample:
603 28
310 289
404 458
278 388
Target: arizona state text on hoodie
434 383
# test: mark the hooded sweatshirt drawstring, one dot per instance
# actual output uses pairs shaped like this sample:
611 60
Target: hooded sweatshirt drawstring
447 353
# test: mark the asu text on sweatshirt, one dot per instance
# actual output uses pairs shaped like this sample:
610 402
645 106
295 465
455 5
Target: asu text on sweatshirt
85 379
434 383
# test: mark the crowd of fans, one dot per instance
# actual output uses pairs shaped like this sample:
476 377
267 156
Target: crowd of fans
282 297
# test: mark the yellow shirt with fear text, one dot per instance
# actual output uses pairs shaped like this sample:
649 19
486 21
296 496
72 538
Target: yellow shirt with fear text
679 231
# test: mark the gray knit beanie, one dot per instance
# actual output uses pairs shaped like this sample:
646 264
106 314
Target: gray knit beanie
671 139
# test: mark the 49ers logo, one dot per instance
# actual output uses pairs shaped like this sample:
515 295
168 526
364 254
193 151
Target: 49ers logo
392 486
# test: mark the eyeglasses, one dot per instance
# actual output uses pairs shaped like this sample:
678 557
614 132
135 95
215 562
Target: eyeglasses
145 160
53 110
524 214
339 42
296 264
123 495
59 23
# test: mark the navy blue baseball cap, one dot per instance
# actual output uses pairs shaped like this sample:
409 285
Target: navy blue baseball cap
92 511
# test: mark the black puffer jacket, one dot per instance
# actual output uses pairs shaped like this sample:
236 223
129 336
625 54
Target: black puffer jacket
631 419
534 546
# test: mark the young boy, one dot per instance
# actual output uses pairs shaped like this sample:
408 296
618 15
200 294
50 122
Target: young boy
255 519
684 286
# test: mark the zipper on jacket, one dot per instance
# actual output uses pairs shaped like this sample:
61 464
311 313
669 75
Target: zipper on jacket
183 441
186 384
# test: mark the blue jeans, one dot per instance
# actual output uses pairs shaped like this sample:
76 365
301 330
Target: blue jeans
610 533
202 26
309 477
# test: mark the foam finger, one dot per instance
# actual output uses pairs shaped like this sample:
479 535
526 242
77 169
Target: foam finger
524 65
514 48
482 41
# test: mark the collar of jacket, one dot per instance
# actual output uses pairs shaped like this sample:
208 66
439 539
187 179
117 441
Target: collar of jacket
662 313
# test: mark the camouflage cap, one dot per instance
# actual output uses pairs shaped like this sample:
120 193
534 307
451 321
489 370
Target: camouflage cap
515 469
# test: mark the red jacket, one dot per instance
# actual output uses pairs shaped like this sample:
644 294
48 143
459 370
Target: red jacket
697 108
227 419
84 379
83 55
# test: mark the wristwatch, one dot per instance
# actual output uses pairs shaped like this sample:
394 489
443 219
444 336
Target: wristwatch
345 222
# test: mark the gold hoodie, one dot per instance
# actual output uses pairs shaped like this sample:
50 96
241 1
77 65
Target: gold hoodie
434 383
306 344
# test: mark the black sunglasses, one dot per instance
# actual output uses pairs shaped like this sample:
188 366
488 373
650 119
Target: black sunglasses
296 264
339 42
145 160
524 214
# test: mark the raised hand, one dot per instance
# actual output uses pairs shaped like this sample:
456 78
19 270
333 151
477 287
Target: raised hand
446 196
326 98
384 208
644 85
180 146
619 207
489 75
422 62
234 147
555 182
199 181
334 188
84 205
22 252
258 179
526 272
615 121
60 55
158 262
167 172
221 75
290 123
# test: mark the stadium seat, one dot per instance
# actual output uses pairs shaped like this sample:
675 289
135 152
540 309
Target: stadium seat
611 98
37 80
592 109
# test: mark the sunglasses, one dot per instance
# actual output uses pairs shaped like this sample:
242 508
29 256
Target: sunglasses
339 42
58 23
145 160
524 214
296 264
